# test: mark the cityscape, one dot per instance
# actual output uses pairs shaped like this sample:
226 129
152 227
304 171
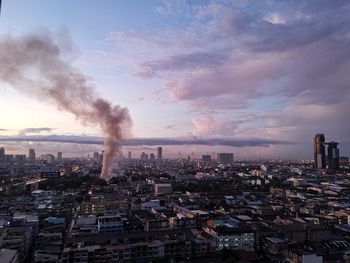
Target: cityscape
209 209
174 131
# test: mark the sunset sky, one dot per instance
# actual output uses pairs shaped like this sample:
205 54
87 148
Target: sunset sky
250 70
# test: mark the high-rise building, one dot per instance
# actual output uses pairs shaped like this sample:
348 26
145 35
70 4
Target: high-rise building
333 155
96 156
102 156
206 158
319 152
152 157
159 153
31 156
59 156
2 154
226 158
144 156
129 155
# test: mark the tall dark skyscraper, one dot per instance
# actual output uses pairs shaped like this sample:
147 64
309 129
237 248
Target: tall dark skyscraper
159 153
59 156
31 156
2 154
319 152
333 155
96 156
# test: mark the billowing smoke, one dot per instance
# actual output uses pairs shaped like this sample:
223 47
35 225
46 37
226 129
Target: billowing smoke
40 64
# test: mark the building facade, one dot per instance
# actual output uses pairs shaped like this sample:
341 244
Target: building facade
31 156
225 158
319 152
333 156
159 153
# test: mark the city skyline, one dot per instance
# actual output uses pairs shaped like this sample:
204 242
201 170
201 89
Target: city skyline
240 70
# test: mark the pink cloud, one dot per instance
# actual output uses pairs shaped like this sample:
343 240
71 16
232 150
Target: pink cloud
232 56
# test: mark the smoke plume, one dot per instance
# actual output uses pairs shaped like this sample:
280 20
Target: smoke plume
40 65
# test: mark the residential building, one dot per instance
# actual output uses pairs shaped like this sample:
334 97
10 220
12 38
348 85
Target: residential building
161 189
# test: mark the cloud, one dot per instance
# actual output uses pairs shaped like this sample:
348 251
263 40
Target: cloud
173 7
275 18
193 140
180 62
170 127
233 84
35 130
22 147
55 138
209 126
257 142
237 52
287 60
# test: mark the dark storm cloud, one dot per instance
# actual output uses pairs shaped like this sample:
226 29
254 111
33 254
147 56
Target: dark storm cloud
150 141
54 138
204 141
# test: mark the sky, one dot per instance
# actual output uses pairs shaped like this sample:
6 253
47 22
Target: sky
271 73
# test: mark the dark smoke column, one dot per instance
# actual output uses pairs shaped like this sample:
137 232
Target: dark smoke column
113 121
39 65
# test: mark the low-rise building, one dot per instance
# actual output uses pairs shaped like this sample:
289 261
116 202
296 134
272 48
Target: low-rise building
230 235
110 224
161 189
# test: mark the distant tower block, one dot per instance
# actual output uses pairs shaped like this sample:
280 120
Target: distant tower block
2 154
333 155
59 156
225 158
31 156
96 156
159 153
206 158
319 152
